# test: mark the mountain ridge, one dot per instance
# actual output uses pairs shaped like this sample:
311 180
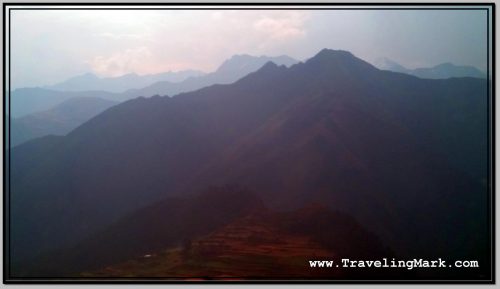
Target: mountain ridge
351 136
90 81
58 120
439 71
30 100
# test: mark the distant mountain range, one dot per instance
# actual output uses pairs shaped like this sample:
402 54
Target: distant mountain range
405 157
231 70
25 101
441 71
58 120
90 81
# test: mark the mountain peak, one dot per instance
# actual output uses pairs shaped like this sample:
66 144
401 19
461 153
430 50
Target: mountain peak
270 65
385 63
329 60
326 52
265 72
241 56
244 63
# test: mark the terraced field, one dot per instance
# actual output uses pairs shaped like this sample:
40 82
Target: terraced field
248 248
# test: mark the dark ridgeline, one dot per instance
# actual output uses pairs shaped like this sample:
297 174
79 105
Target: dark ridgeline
404 156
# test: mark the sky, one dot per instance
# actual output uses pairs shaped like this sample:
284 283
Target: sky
49 46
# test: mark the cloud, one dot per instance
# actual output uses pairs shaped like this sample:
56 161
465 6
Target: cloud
119 36
112 43
282 27
176 42
122 62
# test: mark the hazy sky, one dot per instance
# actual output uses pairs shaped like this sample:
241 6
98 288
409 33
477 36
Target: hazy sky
49 46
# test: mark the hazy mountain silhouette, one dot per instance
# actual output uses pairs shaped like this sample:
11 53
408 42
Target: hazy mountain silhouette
58 120
447 70
90 81
336 130
440 71
231 70
385 63
25 101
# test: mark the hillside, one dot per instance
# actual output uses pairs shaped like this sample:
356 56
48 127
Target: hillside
262 245
58 120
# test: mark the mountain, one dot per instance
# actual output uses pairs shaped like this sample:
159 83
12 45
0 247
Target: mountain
89 81
441 71
58 120
389 64
405 156
447 70
26 101
231 70
243 64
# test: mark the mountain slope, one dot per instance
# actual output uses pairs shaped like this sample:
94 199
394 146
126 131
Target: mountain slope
334 130
58 120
